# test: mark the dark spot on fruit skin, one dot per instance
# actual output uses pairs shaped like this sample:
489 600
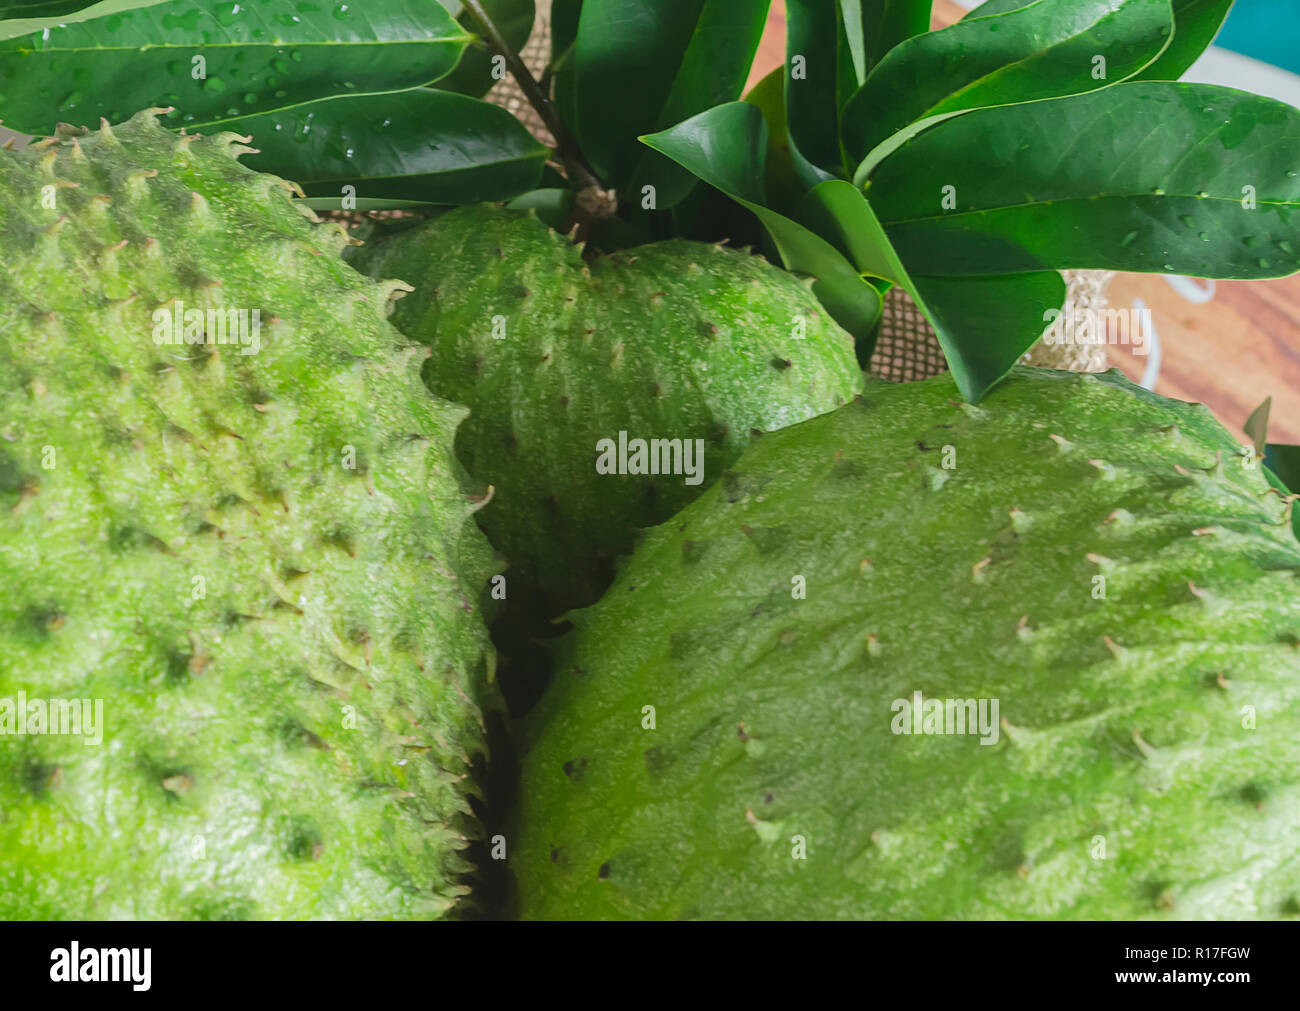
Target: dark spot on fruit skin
923 447
781 364
603 873
768 798
1254 794
654 758
575 768
37 778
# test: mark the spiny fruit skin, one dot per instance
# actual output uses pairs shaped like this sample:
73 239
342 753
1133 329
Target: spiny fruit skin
674 340
1148 757
288 649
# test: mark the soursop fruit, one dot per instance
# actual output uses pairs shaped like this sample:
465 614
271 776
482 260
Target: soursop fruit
766 716
249 544
565 365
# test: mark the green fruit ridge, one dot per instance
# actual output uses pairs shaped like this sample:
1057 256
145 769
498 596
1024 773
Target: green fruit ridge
1101 561
263 565
672 340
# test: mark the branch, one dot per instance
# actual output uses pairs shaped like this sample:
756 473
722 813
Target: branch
575 165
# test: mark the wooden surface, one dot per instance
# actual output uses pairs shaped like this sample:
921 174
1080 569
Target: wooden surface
1229 353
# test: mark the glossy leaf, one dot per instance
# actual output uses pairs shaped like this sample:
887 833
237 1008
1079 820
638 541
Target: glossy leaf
882 25
838 212
726 147
432 146
992 7
43 8
473 74
1145 176
983 324
251 58
24 17
1284 461
553 206
564 26
1048 49
1282 468
642 65
564 36
784 188
1196 23
819 76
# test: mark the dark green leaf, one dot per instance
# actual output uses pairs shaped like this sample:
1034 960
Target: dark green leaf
23 17
473 74
44 8
1282 468
984 324
784 188
427 145
1284 461
726 147
1145 176
642 65
1196 23
884 24
991 7
251 58
564 26
1049 49
818 78
839 213
553 206
564 35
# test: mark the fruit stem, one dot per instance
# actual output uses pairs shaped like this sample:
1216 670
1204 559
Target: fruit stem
575 165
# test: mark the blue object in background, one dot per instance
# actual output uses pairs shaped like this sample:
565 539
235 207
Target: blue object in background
1268 30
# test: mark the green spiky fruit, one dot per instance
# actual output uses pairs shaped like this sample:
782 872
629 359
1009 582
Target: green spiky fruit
675 340
262 564
1100 561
